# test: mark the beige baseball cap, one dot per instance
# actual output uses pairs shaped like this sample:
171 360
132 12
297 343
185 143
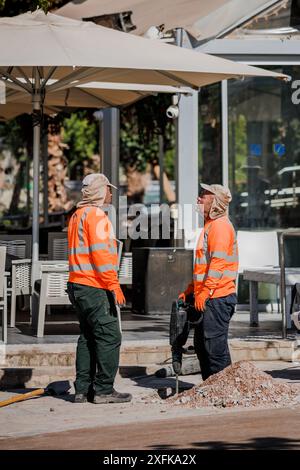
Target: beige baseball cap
219 190
98 178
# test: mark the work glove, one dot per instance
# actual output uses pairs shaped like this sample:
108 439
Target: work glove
119 296
200 299
189 290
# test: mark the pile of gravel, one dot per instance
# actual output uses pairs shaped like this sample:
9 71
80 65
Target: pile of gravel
241 384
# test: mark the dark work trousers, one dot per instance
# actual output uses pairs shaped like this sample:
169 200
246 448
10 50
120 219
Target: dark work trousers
211 335
98 347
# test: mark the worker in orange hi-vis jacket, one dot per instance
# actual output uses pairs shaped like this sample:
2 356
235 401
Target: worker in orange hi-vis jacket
214 281
94 291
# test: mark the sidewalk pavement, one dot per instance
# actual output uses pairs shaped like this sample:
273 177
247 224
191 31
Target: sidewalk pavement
49 414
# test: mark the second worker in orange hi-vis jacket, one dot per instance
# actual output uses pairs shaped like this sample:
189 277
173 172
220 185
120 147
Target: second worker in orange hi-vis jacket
94 290
214 280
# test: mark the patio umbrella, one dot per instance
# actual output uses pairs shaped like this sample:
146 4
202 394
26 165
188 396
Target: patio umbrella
201 19
91 95
71 52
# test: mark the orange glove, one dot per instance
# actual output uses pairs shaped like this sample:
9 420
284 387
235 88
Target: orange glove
188 290
200 299
119 296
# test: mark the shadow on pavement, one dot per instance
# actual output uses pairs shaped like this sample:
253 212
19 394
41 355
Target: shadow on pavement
290 373
263 443
259 443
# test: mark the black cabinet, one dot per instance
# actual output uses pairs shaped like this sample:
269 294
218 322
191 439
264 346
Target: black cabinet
159 275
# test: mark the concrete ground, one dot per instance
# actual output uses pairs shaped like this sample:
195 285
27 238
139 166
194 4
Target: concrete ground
149 422
243 430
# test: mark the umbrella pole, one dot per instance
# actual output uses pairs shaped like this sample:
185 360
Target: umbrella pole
36 104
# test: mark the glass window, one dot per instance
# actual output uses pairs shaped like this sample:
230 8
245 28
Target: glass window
280 20
264 151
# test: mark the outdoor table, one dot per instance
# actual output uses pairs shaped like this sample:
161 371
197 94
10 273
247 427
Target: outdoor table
271 276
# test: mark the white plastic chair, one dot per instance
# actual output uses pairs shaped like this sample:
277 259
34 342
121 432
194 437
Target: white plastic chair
17 245
20 284
3 295
54 276
125 270
58 246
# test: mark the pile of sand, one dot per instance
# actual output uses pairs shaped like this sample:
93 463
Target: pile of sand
241 384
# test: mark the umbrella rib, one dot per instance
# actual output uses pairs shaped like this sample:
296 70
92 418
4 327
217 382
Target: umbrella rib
24 76
143 93
67 81
14 83
11 85
101 100
48 76
177 79
54 109
14 94
41 72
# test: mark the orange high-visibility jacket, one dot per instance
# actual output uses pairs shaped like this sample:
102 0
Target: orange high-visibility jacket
93 259
216 261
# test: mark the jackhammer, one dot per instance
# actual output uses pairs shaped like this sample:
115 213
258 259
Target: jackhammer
183 318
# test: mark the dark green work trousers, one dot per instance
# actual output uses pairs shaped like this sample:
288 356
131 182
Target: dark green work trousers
98 348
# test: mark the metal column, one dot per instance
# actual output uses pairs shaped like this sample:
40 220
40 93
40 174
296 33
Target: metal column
224 108
36 101
187 156
45 175
110 151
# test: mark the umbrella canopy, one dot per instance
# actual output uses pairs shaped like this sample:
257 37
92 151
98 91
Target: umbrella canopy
201 19
89 95
68 50
71 52
12 110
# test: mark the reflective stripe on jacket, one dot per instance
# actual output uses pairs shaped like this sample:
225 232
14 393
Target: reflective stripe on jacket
216 261
93 258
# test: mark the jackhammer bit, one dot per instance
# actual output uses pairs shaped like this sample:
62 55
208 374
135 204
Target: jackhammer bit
177 364
179 331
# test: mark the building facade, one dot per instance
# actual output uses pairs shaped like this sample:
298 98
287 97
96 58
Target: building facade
249 130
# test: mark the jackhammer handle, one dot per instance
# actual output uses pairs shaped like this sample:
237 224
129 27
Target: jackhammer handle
22 397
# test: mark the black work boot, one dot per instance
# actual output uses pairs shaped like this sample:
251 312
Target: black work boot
114 397
80 398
